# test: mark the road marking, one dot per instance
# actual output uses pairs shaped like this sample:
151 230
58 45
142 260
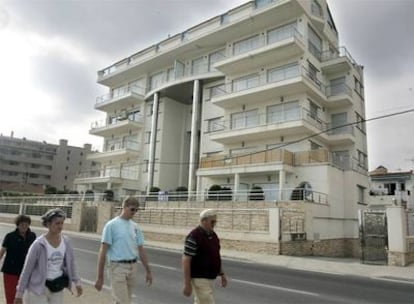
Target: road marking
154 265
277 288
397 280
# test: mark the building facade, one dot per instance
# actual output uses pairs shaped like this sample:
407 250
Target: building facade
391 188
261 96
31 166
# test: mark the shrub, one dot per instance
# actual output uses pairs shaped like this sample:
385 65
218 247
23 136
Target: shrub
256 194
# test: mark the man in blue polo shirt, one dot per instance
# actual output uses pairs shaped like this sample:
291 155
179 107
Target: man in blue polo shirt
201 261
120 239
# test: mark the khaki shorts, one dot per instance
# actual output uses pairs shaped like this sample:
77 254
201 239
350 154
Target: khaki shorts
203 291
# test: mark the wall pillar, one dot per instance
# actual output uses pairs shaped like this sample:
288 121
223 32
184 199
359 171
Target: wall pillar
397 235
282 180
236 187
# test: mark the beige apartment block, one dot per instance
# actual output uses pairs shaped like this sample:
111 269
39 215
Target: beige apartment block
31 166
260 96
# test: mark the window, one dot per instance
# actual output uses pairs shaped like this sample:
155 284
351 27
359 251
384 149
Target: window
147 137
170 74
313 110
246 45
337 86
361 195
215 57
120 91
314 43
244 119
215 124
338 123
341 159
358 87
282 73
225 18
362 160
391 187
198 66
217 90
313 74
316 8
360 123
135 115
283 112
262 3
281 33
156 80
245 83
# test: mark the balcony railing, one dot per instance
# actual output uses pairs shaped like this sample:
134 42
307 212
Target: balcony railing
103 123
273 76
268 119
121 145
340 52
261 157
338 89
110 173
125 91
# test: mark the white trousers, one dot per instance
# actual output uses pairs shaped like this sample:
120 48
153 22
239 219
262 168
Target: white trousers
46 298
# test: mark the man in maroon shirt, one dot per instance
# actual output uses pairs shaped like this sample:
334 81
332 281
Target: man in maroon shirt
201 261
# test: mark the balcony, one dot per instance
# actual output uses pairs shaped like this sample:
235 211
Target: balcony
281 157
339 95
340 135
128 97
266 126
117 151
120 125
288 81
285 43
112 175
338 61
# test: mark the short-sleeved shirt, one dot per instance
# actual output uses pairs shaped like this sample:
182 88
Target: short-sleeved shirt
123 236
204 249
55 257
16 249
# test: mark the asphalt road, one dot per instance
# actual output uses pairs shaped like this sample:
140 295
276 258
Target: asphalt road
249 282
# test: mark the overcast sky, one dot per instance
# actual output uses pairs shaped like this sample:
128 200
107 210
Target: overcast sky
50 51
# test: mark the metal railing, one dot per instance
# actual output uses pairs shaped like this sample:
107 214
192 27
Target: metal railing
121 145
337 53
113 172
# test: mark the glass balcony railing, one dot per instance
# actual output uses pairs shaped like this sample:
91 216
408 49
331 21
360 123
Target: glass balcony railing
337 53
110 173
338 89
103 123
122 92
267 119
121 145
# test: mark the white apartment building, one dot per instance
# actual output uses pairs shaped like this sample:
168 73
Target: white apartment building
262 95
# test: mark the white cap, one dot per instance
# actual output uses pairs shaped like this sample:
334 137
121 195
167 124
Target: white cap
207 213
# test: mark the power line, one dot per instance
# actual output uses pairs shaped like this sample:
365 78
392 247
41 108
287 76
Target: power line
298 140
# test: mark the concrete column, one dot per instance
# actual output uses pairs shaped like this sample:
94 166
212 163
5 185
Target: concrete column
153 138
194 137
236 187
282 180
274 224
397 235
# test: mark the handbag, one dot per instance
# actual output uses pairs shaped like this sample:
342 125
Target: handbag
58 284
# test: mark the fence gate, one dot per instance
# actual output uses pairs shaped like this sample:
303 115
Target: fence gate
89 219
373 236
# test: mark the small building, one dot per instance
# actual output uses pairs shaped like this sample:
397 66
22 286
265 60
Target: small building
388 188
